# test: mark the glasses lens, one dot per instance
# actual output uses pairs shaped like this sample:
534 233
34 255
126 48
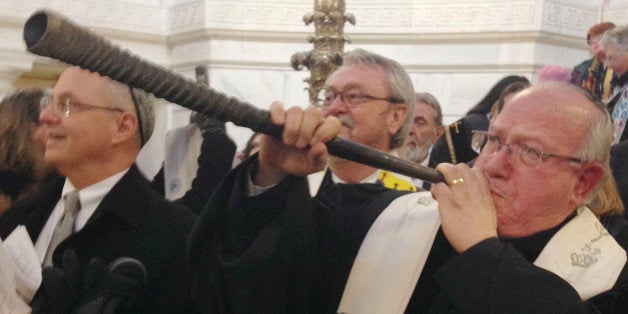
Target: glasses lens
529 155
478 140
43 103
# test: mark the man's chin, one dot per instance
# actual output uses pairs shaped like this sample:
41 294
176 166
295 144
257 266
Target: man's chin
51 158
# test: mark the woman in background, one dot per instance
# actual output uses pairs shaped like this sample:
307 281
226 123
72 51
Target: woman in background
22 146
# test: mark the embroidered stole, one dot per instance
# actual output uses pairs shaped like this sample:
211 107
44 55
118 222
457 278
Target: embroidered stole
584 254
394 251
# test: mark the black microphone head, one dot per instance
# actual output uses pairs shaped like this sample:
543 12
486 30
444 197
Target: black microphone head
129 266
120 288
130 275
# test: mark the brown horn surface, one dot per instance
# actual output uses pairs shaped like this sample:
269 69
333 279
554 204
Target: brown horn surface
51 35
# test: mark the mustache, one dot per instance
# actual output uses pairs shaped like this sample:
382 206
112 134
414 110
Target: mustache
346 121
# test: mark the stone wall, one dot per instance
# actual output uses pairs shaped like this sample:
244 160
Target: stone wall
455 49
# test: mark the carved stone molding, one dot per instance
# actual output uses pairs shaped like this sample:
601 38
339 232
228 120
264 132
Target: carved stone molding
137 16
186 16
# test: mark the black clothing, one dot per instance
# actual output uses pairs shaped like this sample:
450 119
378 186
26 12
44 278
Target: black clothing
619 166
214 162
283 251
13 183
132 220
460 134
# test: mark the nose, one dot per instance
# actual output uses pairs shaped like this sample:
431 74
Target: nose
48 116
413 130
496 164
335 108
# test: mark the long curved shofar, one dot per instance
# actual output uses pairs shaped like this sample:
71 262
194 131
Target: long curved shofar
51 35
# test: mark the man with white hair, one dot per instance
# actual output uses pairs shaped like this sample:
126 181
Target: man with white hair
427 127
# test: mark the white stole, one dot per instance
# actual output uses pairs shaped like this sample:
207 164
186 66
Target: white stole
392 256
585 255
394 251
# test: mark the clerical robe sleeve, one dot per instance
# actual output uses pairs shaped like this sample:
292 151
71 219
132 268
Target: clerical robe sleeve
245 257
493 277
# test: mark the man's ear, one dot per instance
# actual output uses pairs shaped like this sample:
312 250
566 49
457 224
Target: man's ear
589 176
440 130
126 127
397 117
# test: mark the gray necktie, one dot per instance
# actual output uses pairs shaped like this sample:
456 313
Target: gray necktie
65 227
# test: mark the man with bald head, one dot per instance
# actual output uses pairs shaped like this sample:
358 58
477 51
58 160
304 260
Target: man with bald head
103 208
520 214
511 234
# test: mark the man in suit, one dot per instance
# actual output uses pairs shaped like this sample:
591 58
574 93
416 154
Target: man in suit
96 128
427 127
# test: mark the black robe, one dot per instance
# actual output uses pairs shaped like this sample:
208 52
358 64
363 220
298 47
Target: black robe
282 251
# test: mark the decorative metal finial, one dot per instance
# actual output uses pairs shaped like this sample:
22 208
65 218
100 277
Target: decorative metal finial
329 18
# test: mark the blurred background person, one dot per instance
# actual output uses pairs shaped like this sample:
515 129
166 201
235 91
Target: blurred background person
615 44
198 156
507 94
22 145
554 72
427 127
592 74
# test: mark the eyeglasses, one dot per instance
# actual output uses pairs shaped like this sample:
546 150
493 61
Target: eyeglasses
65 105
351 98
484 142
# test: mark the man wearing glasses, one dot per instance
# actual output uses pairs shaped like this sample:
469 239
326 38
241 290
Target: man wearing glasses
372 97
514 235
103 208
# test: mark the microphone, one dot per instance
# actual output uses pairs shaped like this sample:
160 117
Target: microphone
121 289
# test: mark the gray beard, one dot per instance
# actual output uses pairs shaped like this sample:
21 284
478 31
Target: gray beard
419 153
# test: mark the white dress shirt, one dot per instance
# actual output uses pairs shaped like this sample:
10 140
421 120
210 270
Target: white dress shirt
90 197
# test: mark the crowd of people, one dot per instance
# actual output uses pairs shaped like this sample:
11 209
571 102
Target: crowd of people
530 216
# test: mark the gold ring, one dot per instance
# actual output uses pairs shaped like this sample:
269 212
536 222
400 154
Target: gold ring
456 181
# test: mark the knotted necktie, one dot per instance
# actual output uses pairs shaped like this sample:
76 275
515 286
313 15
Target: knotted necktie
65 227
